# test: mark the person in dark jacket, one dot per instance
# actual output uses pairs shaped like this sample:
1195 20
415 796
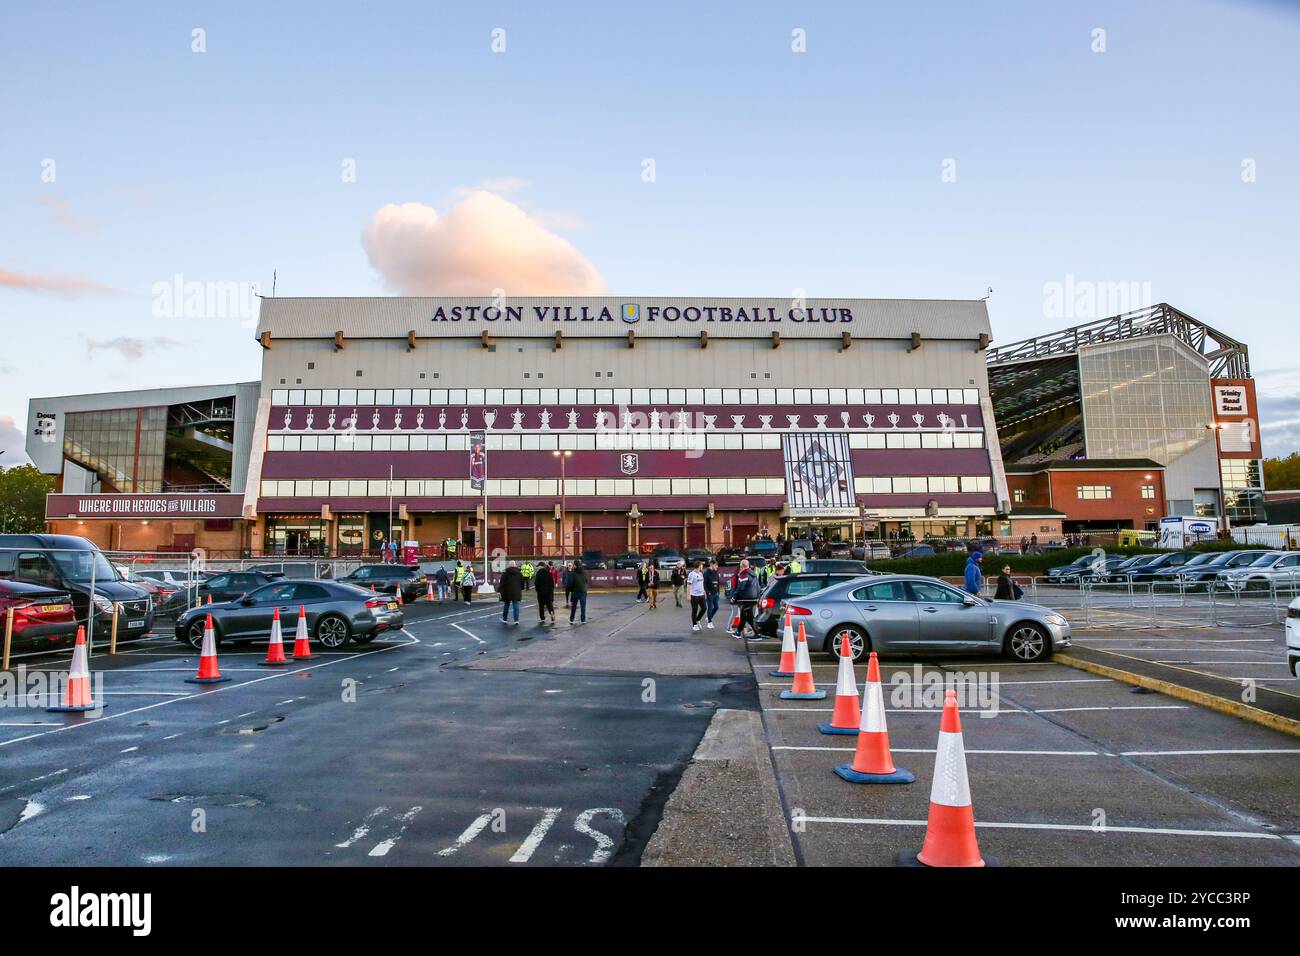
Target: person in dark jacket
567 577
442 581
642 582
712 586
1007 590
511 588
744 592
578 587
545 585
678 580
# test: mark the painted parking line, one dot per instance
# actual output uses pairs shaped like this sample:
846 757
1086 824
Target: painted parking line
1204 753
930 750
1001 712
224 688
1070 827
1007 683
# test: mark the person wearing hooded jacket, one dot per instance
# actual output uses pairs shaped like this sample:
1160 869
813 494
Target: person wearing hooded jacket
974 578
545 585
578 588
511 588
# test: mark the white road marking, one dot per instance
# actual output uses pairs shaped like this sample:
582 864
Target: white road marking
530 845
128 750
1075 827
930 750
362 829
604 844
31 809
471 831
1203 753
80 796
171 736
1008 683
469 633
1071 710
382 847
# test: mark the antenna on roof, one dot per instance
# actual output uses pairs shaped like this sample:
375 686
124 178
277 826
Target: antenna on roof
274 276
983 298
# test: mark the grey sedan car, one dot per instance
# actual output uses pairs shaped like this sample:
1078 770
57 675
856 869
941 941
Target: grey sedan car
907 614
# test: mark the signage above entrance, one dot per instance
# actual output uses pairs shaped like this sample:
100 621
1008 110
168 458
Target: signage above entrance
197 506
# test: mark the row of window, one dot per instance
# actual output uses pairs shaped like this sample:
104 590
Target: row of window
621 487
624 396
517 487
929 484
611 441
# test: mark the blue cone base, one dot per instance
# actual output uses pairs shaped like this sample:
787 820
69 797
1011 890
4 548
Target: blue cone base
780 673
73 710
815 695
845 771
843 731
205 680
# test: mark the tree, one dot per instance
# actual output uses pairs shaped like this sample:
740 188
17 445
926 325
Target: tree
22 499
1282 473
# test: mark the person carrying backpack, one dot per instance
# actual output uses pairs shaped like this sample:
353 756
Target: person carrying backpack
545 593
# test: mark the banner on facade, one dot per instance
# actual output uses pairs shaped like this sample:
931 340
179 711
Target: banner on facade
477 460
818 474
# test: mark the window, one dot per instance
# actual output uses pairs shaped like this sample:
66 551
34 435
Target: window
1093 492
1019 495
888 591
928 593
1148 491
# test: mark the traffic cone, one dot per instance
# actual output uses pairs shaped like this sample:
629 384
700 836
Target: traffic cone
208 673
429 596
803 687
950 830
847 717
77 694
275 650
872 762
786 667
209 598
301 646
398 590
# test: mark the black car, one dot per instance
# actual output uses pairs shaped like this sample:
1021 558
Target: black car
336 614
729 556
593 559
841 565
387 578
223 586
65 562
627 560
1199 575
1168 561
767 616
696 555
1121 573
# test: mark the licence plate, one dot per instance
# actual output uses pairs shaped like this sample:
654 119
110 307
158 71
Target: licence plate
134 624
52 608
392 605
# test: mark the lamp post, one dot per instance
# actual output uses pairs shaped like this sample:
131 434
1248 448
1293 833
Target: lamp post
563 456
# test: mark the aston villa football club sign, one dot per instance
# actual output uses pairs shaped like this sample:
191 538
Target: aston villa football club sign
818 472
477 460
629 463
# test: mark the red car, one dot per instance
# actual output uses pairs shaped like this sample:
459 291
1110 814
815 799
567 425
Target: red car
43 617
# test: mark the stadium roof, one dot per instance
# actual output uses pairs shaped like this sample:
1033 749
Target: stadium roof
1084 464
1227 357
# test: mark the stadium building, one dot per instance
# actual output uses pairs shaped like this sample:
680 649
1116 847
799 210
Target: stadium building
1122 421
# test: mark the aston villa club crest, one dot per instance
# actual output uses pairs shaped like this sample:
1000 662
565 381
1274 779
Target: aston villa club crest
631 313
820 473
629 464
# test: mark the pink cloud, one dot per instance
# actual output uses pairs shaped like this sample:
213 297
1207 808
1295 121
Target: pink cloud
53 285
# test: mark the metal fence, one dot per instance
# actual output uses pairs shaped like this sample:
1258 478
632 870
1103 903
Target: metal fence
1161 604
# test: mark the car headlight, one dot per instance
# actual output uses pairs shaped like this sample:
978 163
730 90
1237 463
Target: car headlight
1055 619
103 604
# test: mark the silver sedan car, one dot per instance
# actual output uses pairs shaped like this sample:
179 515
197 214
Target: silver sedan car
907 614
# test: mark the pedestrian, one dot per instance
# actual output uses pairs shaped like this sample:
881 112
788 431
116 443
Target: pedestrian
695 590
652 586
511 589
467 583
579 592
642 580
568 584
678 581
526 571
441 582
1007 590
545 593
974 577
458 576
744 593
712 587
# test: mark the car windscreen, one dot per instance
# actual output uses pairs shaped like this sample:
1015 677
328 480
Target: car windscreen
1264 561
78 566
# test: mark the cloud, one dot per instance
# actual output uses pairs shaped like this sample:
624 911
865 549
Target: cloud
65 217
130 347
71 286
12 443
1278 395
482 243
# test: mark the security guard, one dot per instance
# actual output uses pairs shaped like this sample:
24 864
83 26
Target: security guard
794 567
451 547
526 570
457 578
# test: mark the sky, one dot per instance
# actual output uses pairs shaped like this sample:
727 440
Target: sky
1146 152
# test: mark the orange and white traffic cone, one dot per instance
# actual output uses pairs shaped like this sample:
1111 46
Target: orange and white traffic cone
847 717
209 598
77 693
208 673
275 650
429 595
803 687
398 592
872 762
786 667
950 830
301 646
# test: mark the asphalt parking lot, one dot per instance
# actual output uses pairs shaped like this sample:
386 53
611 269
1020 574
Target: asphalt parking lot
1072 769
396 752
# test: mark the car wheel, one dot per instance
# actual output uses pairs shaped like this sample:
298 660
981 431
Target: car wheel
333 631
194 633
857 638
1028 642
